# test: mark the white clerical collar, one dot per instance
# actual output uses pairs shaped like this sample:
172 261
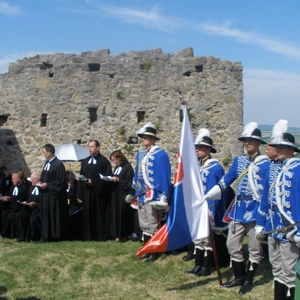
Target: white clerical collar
92 161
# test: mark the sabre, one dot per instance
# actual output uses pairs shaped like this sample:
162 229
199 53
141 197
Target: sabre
130 198
283 229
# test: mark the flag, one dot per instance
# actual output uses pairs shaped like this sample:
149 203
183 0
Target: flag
188 218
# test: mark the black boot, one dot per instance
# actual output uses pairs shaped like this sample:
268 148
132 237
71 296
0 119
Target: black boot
207 262
198 262
279 290
152 257
146 238
190 253
289 293
239 274
248 284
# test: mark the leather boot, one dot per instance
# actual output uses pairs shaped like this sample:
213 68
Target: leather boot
289 293
239 274
207 262
146 238
190 253
279 290
199 256
248 284
152 257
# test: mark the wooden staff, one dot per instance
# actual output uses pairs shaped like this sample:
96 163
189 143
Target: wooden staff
215 256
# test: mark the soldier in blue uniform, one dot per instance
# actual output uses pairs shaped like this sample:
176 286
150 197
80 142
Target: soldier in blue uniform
282 208
152 183
251 172
211 172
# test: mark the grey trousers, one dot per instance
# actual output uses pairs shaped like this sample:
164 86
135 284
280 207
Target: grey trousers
235 242
283 258
149 219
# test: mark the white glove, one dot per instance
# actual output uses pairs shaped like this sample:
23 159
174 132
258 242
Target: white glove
259 233
214 193
292 236
128 198
161 204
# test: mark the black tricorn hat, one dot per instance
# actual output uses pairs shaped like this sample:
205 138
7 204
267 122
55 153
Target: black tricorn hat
287 139
149 131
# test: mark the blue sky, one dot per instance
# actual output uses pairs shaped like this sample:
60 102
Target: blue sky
261 34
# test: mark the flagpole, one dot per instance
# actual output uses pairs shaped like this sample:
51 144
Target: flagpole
215 256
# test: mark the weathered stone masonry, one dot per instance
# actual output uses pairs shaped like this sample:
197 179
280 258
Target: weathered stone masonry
62 98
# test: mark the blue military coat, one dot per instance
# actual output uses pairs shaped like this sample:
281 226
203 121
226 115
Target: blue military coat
211 172
251 186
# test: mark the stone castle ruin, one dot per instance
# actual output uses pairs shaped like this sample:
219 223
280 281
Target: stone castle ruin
71 98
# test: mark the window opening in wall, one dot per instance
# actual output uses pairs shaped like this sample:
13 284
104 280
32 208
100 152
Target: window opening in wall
187 73
199 68
43 120
93 114
140 116
94 67
3 119
50 74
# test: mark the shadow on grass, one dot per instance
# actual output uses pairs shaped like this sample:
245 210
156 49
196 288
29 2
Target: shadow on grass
28 298
3 290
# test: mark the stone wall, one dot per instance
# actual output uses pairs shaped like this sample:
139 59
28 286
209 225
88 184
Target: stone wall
63 98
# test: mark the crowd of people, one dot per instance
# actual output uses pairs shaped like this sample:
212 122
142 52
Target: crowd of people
129 203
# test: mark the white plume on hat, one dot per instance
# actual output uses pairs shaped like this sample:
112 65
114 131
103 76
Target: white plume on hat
143 129
201 133
249 128
278 130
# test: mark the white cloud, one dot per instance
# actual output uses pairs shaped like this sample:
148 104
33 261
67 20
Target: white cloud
149 19
9 10
266 43
270 96
154 19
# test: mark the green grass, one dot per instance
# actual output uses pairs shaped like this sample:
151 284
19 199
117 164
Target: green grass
95 270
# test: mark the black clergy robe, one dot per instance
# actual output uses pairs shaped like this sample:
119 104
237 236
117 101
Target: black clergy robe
121 212
95 199
34 232
54 205
13 223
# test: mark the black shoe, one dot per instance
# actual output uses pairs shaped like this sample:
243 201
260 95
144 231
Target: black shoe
153 257
144 256
188 257
41 241
203 272
194 271
234 282
246 287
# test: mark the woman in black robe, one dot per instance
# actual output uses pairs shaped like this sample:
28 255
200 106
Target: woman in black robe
121 212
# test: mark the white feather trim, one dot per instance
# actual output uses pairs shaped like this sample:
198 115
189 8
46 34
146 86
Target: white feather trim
278 130
249 128
143 129
201 133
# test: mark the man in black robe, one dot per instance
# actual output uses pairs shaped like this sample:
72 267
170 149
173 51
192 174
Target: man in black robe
33 205
54 206
13 218
95 195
